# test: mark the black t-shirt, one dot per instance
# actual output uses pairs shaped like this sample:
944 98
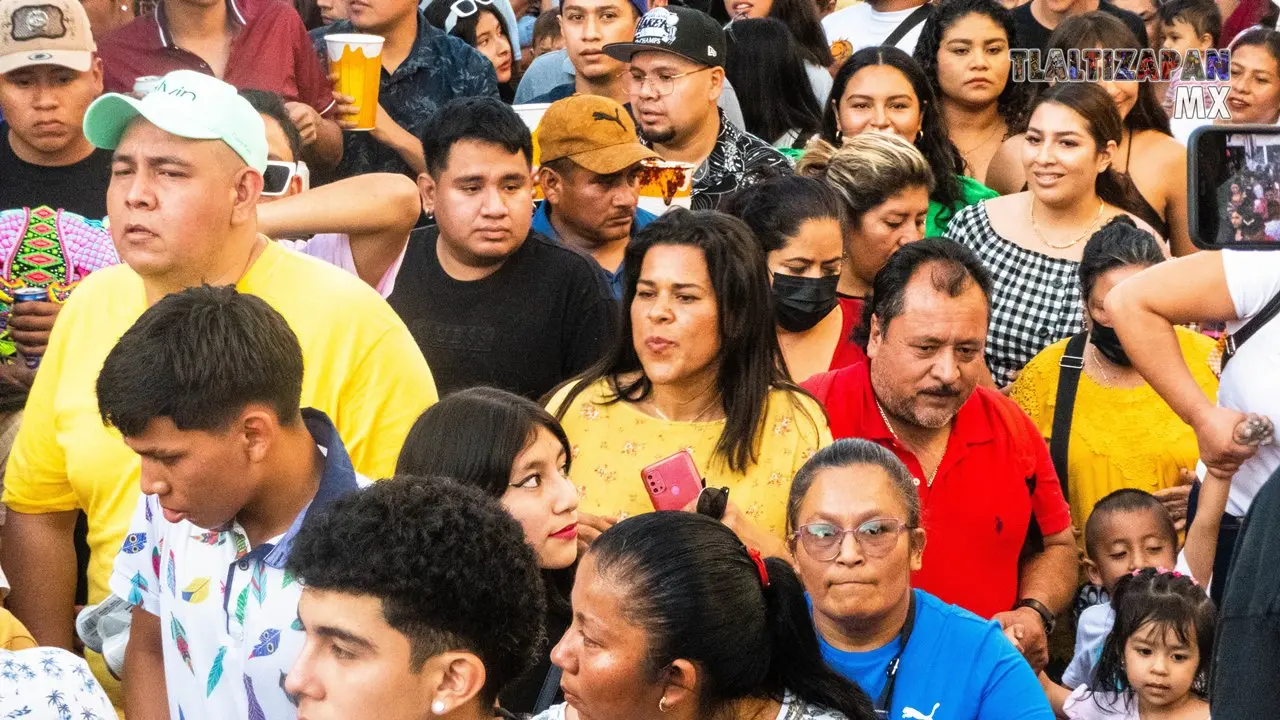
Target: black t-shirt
80 188
542 318
1031 34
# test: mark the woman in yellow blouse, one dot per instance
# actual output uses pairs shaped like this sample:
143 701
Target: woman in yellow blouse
1123 435
696 366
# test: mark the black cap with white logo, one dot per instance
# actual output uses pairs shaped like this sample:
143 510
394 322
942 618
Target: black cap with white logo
678 30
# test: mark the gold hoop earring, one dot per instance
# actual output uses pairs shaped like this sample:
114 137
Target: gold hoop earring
662 705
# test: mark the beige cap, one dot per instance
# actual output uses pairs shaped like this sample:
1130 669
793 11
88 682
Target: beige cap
45 32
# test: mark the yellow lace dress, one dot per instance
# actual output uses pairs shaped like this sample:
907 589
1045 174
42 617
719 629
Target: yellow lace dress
1120 437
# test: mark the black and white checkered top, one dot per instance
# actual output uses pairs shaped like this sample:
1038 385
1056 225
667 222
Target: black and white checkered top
1035 300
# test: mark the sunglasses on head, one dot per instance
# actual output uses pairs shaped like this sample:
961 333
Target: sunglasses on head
463 9
278 176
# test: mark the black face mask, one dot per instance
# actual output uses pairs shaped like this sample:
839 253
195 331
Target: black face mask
1105 339
802 302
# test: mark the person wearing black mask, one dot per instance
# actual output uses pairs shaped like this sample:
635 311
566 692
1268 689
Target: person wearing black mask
1117 433
800 224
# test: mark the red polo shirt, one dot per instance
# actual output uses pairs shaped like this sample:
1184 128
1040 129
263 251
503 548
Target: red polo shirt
847 351
269 51
979 508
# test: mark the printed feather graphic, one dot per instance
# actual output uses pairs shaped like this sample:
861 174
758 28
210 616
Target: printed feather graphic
133 543
172 575
242 545
155 561
268 641
197 591
241 604
137 585
255 709
210 538
147 506
258 581
289 579
215 672
180 639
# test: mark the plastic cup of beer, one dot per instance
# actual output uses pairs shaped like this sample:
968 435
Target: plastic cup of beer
665 184
357 61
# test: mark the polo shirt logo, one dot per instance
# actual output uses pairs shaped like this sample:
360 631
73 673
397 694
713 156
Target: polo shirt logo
910 713
38 21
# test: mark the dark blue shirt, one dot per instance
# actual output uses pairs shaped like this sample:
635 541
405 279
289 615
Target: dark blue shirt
439 68
615 279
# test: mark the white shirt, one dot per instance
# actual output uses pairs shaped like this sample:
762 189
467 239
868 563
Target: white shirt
228 612
1250 382
859 26
821 80
1091 632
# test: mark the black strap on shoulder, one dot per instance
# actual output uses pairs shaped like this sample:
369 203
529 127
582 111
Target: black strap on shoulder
1238 338
1065 406
914 19
550 686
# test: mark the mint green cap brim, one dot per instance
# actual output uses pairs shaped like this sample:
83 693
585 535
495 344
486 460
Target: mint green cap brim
109 116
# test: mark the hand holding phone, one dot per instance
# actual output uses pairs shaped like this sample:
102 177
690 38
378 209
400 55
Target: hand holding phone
673 482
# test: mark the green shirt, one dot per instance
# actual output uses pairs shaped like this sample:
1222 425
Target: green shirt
971 191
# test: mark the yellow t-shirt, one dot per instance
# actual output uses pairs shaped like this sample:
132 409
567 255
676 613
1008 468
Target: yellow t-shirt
1120 437
612 443
363 369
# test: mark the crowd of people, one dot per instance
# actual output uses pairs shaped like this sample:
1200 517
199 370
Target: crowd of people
908 410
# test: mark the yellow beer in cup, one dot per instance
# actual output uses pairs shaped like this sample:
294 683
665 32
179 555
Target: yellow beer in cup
357 61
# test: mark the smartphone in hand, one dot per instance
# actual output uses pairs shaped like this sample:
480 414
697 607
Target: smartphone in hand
673 482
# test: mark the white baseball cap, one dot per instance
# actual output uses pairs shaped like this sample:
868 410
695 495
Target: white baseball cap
188 104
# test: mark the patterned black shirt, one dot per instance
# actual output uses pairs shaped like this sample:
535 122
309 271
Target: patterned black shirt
439 68
738 160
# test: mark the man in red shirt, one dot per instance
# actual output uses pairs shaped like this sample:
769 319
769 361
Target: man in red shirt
257 44
982 469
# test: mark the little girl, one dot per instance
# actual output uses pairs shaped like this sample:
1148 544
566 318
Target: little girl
1157 656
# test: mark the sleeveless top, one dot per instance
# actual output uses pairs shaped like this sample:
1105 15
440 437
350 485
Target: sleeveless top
1035 298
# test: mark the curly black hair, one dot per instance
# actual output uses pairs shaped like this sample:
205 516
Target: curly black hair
1012 103
451 567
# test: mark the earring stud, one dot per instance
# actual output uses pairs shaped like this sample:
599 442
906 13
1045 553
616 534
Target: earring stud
437 707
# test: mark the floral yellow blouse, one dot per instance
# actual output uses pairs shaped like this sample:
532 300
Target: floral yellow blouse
612 443
1120 437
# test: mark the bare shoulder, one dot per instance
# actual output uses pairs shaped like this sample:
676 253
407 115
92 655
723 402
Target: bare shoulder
1006 174
1154 145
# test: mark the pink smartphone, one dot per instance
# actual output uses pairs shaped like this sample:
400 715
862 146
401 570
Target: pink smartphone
672 483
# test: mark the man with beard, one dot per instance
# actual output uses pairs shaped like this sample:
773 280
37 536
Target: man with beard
676 79
981 467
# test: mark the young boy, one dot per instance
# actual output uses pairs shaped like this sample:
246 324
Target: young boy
206 388
546 33
1127 530
1189 25
422 599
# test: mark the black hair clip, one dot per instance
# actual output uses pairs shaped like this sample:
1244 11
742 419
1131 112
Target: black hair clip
713 502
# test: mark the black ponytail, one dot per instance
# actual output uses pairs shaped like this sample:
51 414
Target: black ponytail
698 594
797 662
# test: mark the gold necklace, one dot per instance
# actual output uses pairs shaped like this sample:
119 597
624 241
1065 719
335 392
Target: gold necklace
1097 363
1088 231
884 416
965 153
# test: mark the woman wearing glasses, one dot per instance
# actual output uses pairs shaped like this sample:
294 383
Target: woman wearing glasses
854 522
482 25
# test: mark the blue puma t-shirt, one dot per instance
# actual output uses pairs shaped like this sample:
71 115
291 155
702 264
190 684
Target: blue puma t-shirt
956 666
